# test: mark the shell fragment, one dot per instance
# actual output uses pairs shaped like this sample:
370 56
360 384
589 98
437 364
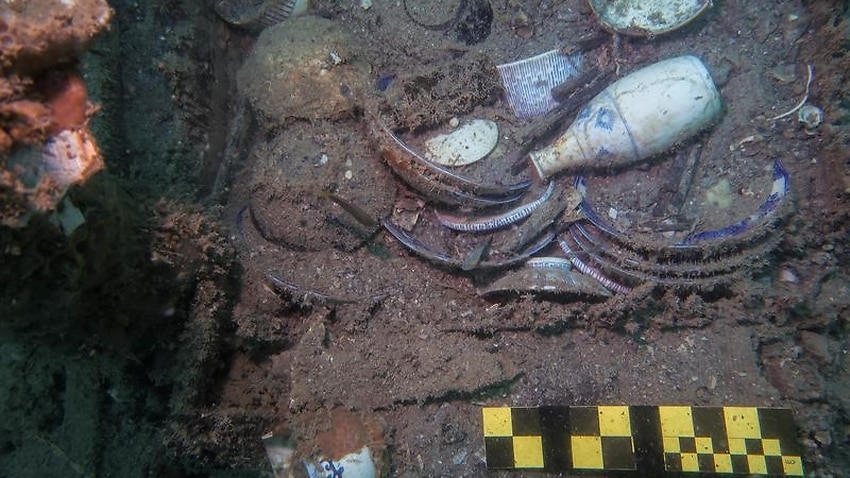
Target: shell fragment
469 143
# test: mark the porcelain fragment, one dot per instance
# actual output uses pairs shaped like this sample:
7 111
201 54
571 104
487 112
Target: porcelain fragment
469 143
646 18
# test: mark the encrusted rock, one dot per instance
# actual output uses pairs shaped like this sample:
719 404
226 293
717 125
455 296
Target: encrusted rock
45 143
38 34
795 377
304 68
816 345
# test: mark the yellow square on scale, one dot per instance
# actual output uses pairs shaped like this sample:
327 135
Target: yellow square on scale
689 462
792 465
528 452
757 464
737 446
671 445
497 421
704 445
771 447
676 421
614 421
587 452
742 422
722 463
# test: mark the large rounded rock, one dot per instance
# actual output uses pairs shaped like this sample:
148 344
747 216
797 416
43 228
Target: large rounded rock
304 68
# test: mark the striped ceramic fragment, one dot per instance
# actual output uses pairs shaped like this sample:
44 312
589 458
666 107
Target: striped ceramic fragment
529 82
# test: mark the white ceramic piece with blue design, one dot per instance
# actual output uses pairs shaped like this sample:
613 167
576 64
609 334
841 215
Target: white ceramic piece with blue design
354 465
638 116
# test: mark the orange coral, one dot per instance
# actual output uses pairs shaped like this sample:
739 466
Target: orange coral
5 141
45 144
55 103
68 101
25 121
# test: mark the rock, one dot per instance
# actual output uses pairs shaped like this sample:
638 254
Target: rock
44 107
795 377
38 34
304 68
817 346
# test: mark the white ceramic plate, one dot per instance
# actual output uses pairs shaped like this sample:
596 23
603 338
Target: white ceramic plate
647 17
467 144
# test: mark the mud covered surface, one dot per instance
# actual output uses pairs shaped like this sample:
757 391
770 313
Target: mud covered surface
364 324
322 310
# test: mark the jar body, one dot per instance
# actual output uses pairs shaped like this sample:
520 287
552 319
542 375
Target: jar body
636 117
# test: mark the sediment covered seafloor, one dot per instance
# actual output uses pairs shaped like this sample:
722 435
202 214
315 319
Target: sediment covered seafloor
216 270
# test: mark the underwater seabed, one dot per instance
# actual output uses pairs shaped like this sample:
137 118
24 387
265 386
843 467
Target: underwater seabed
318 246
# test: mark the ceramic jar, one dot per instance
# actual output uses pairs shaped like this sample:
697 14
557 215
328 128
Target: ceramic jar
636 117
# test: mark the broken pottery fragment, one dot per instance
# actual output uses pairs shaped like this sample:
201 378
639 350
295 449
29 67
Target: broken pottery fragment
469 143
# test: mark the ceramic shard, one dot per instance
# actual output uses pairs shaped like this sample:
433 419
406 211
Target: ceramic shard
529 82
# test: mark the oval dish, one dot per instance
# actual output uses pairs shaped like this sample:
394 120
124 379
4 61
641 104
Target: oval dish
647 17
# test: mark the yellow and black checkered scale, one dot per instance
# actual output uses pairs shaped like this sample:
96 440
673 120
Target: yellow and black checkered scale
644 441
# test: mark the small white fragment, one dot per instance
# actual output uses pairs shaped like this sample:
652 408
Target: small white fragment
811 116
349 174
612 213
68 217
467 144
454 122
280 454
787 275
753 138
365 4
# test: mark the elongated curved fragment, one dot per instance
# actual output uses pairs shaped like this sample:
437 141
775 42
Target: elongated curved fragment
558 209
777 194
442 259
702 259
439 183
551 281
549 263
498 221
591 271
306 295
685 271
